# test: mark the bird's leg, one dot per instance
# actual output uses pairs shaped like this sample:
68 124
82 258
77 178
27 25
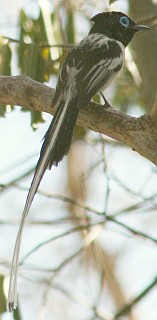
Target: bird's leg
106 103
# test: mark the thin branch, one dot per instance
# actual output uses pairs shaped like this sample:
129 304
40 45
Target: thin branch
86 227
132 230
127 308
63 234
50 195
44 45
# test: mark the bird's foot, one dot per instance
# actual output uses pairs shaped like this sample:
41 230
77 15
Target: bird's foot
106 103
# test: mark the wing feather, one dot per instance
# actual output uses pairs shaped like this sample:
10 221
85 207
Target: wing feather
96 60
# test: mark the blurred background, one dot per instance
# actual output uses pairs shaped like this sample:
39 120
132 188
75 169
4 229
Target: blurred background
89 246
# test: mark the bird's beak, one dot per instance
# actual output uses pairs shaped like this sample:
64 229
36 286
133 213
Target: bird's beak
139 27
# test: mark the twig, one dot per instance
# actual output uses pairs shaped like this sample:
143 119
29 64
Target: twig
39 45
132 230
127 308
66 233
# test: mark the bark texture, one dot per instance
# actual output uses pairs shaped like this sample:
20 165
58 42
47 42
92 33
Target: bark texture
138 133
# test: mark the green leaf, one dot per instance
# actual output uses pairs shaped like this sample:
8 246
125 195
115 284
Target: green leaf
34 57
2 295
70 26
111 1
36 117
5 59
5 66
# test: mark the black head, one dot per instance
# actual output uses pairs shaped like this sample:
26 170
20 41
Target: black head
116 25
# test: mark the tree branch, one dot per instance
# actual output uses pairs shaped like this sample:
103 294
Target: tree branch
138 133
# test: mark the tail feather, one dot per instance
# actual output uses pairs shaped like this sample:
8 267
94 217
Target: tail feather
56 144
64 136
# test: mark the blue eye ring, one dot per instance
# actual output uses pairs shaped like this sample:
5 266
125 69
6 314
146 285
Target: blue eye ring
124 21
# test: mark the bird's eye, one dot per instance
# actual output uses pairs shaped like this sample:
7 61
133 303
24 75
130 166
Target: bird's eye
124 21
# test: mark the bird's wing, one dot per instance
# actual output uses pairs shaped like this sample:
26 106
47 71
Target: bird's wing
91 65
95 62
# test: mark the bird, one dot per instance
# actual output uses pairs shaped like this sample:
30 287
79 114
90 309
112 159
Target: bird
89 68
